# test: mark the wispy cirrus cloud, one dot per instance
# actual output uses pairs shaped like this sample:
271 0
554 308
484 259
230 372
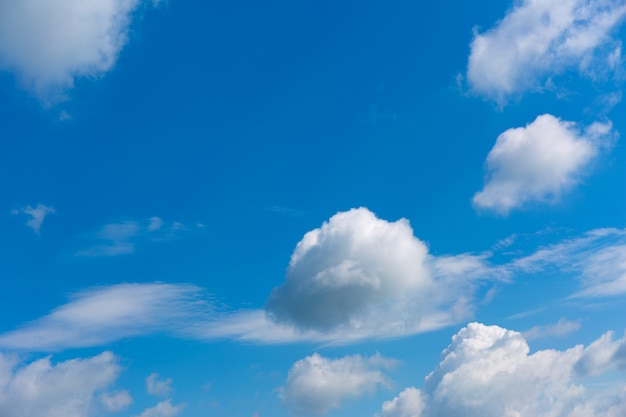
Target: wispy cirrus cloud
37 215
537 40
123 238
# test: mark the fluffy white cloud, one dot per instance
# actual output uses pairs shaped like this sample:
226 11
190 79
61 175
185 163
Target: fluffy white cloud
37 215
316 385
538 163
358 274
541 38
66 389
158 386
487 371
116 401
409 403
50 44
162 409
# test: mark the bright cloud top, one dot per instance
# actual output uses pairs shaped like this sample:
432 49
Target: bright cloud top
74 388
37 215
360 274
538 163
540 38
315 385
487 371
50 44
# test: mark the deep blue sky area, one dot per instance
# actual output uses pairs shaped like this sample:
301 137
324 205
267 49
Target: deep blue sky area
312 208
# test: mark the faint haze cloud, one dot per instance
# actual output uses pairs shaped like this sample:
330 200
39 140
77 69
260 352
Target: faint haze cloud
37 215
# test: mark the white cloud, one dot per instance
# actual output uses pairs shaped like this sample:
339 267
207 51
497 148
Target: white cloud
158 386
48 45
162 409
488 371
116 401
102 315
155 224
539 162
37 215
66 389
597 259
358 274
559 329
409 403
538 39
315 385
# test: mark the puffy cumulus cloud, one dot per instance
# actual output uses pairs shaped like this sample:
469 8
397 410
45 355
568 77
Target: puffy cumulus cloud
409 403
488 371
538 163
116 401
361 275
50 44
162 409
540 38
315 385
158 386
37 214
68 388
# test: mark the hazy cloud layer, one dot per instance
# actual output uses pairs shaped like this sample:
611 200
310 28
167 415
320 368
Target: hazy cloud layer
538 163
48 45
68 388
316 385
538 39
488 371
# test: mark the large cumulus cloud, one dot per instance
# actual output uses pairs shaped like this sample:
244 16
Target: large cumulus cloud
488 371
357 273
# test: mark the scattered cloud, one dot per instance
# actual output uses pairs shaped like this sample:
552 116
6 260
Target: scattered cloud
157 386
315 385
559 329
115 239
68 388
162 409
488 371
116 401
538 163
49 45
537 40
37 215
358 274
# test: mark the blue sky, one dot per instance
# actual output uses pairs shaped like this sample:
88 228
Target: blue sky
265 209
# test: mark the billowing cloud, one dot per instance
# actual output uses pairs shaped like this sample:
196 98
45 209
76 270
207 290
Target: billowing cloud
360 274
48 45
67 388
315 385
488 371
538 39
162 409
158 386
37 214
538 163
